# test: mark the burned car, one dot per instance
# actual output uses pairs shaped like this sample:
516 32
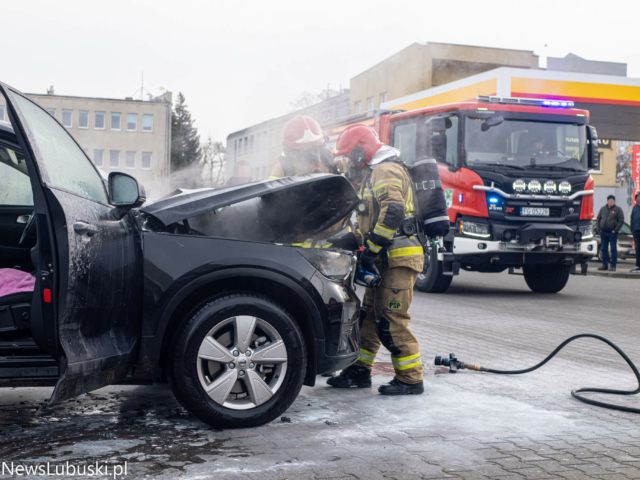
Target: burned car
205 289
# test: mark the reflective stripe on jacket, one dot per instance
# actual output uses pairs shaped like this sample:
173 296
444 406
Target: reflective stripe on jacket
388 199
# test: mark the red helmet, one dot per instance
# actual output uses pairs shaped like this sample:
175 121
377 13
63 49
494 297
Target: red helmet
302 132
359 143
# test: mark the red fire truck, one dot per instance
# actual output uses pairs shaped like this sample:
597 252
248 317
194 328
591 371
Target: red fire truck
516 178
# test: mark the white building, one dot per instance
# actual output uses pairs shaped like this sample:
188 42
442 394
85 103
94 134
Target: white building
132 136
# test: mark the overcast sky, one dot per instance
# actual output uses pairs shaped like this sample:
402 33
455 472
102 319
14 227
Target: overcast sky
241 62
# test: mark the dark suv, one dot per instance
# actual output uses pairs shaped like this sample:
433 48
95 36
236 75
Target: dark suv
205 289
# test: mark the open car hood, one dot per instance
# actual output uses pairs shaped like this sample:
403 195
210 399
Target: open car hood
282 210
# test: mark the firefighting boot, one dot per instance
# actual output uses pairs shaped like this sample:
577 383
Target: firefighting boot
396 387
352 376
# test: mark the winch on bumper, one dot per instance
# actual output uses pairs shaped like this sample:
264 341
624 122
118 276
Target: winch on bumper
529 243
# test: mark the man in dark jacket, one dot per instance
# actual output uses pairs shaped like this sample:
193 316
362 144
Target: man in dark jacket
635 228
609 222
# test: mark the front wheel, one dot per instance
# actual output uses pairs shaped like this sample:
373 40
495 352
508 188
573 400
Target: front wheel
546 278
239 361
432 279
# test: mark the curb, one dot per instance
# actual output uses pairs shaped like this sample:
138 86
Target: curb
614 274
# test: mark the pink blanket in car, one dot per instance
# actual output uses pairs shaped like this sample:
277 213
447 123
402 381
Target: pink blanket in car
14 281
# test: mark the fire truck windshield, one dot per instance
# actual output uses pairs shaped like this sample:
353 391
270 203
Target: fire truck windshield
525 144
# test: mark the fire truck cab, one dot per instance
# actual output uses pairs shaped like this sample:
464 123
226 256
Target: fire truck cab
516 177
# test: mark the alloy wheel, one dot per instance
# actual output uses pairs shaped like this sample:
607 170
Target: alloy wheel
242 362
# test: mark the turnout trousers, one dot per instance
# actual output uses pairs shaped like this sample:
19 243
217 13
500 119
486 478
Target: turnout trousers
387 323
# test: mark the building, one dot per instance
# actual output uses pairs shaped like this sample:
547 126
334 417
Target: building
422 66
132 136
256 149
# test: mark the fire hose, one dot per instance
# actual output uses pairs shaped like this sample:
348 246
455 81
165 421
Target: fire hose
454 365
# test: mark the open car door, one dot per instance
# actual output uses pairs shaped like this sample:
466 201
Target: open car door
93 279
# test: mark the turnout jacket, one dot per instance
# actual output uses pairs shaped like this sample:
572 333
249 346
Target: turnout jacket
610 219
387 198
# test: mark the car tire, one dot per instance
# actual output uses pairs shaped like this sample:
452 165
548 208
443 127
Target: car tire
546 278
599 254
432 279
190 372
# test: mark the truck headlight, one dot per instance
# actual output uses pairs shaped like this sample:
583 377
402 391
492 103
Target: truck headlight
475 229
333 265
586 231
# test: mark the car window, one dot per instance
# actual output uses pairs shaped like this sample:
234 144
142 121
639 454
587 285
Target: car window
404 139
15 187
63 161
625 229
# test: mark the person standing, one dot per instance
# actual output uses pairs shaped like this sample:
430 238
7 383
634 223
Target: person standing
635 228
609 222
387 199
305 150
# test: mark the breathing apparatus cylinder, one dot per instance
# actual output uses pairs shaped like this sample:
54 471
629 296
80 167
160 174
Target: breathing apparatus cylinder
430 197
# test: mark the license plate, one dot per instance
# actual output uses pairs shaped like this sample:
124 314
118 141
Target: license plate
534 212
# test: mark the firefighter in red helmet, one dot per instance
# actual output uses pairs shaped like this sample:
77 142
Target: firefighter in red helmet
304 150
386 192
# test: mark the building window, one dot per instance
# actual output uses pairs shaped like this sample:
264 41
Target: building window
265 141
130 160
370 103
2 112
239 149
146 161
98 121
83 119
116 119
114 158
383 98
98 157
132 122
147 122
246 144
258 141
251 144
358 107
67 118
51 111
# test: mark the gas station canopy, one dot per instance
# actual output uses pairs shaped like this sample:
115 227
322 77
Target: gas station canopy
613 101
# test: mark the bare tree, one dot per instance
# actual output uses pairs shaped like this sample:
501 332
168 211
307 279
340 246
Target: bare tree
214 159
307 99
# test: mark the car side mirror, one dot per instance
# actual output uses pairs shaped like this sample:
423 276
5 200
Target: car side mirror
592 145
125 193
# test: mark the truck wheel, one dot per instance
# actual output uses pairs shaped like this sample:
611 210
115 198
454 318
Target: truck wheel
238 362
431 279
546 278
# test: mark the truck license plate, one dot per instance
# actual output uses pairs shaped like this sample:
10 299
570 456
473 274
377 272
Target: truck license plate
534 212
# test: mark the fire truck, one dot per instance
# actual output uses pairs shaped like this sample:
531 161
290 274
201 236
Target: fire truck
515 172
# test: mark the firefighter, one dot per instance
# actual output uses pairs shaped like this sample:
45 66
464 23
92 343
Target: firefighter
305 150
387 199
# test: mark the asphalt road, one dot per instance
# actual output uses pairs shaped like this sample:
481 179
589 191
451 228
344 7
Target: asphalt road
467 426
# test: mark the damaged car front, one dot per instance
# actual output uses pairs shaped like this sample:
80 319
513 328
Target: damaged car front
235 314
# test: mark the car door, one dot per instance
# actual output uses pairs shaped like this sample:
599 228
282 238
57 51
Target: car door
96 273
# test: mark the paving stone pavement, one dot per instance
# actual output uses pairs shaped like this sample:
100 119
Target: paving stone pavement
467 426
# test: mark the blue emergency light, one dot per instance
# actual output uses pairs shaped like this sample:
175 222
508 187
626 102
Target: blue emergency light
493 199
526 101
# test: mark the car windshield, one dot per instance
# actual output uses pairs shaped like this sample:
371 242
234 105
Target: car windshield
525 144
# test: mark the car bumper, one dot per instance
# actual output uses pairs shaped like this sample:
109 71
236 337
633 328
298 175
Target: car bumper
341 345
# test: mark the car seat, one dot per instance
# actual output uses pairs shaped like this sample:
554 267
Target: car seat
15 311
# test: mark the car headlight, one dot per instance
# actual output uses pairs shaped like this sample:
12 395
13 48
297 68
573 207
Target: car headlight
474 229
586 231
565 188
333 265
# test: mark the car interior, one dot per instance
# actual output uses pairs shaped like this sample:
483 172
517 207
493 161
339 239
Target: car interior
18 244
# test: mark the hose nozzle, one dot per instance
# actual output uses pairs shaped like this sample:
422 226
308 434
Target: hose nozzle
454 364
